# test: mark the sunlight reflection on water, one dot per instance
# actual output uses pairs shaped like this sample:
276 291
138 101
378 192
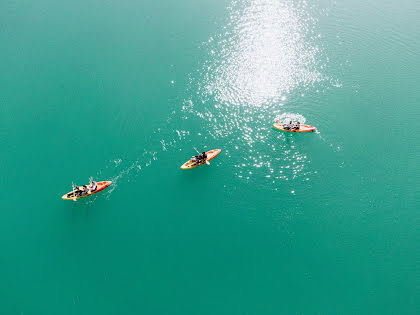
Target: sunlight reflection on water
267 50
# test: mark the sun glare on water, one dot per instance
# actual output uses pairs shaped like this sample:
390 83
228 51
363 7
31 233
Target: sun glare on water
266 51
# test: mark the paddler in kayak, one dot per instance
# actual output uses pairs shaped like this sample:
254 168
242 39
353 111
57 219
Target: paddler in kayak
92 187
84 190
288 126
296 126
201 158
79 191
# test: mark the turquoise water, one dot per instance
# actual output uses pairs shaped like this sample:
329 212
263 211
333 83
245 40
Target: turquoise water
321 223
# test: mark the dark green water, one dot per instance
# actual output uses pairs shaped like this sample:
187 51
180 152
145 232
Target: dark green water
322 223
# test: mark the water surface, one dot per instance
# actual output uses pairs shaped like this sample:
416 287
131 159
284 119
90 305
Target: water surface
280 223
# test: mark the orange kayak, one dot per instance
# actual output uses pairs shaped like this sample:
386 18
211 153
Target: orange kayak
99 186
303 128
210 156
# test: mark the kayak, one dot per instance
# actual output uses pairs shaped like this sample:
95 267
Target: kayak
210 156
303 128
99 186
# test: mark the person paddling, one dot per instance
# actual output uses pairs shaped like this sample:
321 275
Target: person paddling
201 157
195 159
85 190
74 192
288 126
92 187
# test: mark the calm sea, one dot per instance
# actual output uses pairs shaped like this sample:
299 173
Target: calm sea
279 223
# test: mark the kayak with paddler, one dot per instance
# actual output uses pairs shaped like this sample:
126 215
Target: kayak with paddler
291 127
200 159
86 190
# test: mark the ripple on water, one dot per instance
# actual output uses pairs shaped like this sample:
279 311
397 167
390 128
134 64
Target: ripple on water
268 50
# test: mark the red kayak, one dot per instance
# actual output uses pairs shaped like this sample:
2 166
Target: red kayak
99 186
